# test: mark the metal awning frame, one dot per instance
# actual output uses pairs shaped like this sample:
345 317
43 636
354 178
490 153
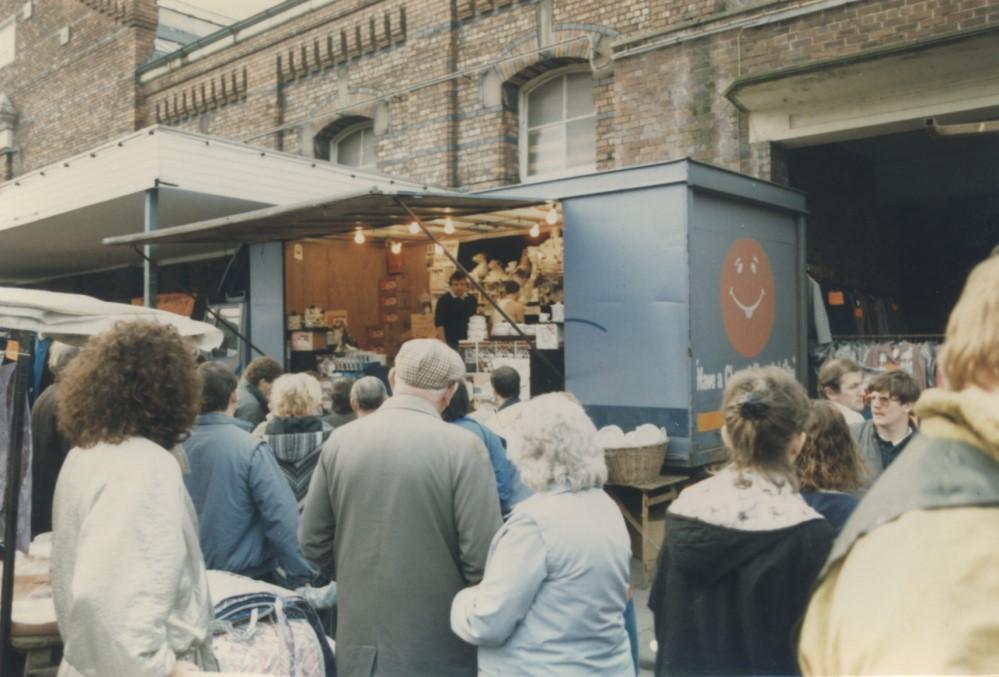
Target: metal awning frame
379 215
342 217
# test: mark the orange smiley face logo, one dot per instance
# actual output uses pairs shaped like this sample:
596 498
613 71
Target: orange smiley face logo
747 297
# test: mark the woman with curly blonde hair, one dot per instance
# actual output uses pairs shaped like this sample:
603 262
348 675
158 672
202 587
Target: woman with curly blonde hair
295 430
128 578
829 467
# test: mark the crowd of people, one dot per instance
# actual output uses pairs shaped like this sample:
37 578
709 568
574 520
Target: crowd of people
846 535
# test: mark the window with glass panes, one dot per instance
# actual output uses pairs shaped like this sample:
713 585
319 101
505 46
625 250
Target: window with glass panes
558 125
356 147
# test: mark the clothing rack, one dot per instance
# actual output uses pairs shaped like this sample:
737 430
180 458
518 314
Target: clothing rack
887 337
12 493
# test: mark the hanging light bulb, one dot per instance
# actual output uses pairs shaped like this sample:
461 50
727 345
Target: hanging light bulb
396 248
438 250
535 230
552 216
359 236
448 226
414 228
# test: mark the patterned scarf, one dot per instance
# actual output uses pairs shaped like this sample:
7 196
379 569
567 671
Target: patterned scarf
296 442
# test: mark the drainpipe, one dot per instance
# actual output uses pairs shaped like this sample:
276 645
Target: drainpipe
452 98
8 123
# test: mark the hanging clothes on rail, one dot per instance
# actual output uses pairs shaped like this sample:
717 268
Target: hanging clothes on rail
916 356
820 316
6 419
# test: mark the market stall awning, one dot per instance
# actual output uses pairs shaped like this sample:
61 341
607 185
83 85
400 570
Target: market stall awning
53 219
73 317
384 215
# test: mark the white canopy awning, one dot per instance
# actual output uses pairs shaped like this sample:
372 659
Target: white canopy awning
71 318
52 220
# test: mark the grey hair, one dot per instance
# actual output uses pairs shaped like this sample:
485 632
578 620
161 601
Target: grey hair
555 445
61 354
368 392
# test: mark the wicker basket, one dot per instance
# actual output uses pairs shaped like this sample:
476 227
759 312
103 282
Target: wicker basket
629 465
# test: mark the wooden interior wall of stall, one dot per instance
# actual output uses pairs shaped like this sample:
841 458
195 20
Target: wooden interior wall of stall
339 274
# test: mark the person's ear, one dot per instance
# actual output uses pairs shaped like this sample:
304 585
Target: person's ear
448 394
797 444
391 379
354 407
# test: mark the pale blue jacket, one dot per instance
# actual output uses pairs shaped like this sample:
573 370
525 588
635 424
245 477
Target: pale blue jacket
508 485
554 592
247 514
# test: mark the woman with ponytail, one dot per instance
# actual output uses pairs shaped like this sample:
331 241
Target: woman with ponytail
742 547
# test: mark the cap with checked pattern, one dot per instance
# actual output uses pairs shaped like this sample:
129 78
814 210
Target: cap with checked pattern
428 364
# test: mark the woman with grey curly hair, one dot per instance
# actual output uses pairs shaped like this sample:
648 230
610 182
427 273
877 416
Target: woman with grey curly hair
557 573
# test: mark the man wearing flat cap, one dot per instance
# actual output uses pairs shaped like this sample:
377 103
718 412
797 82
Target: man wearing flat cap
400 512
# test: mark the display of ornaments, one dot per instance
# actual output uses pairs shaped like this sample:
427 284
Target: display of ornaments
315 317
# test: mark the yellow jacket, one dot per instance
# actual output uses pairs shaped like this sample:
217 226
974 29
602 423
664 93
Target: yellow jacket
918 594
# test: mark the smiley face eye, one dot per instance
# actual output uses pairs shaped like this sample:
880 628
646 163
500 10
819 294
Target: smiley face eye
738 266
752 266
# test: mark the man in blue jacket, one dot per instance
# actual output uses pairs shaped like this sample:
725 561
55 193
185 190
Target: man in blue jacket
247 513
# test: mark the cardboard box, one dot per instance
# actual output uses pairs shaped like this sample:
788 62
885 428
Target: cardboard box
422 326
393 283
337 314
302 341
392 300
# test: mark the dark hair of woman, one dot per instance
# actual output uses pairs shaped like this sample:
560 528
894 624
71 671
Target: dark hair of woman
763 410
136 380
459 406
829 459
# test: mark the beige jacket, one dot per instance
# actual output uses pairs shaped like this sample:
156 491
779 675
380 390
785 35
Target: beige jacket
918 594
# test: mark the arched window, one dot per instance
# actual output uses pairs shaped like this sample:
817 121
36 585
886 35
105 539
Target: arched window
557 125
353 145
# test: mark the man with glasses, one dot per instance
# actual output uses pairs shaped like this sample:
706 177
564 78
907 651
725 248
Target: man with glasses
880 440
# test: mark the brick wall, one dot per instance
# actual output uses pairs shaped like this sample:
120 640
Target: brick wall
71 97
391 60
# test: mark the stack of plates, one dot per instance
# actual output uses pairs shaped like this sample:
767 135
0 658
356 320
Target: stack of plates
477 328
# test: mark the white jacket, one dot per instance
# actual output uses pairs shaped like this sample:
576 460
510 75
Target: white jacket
128 579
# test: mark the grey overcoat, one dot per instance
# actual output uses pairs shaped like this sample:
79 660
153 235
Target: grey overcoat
400 512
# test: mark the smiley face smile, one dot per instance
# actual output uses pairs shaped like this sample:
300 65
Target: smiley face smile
748 310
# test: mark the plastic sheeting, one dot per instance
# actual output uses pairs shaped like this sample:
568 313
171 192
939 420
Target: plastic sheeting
71 318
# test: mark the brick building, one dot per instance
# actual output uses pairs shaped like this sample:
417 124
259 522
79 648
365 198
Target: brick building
830 96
